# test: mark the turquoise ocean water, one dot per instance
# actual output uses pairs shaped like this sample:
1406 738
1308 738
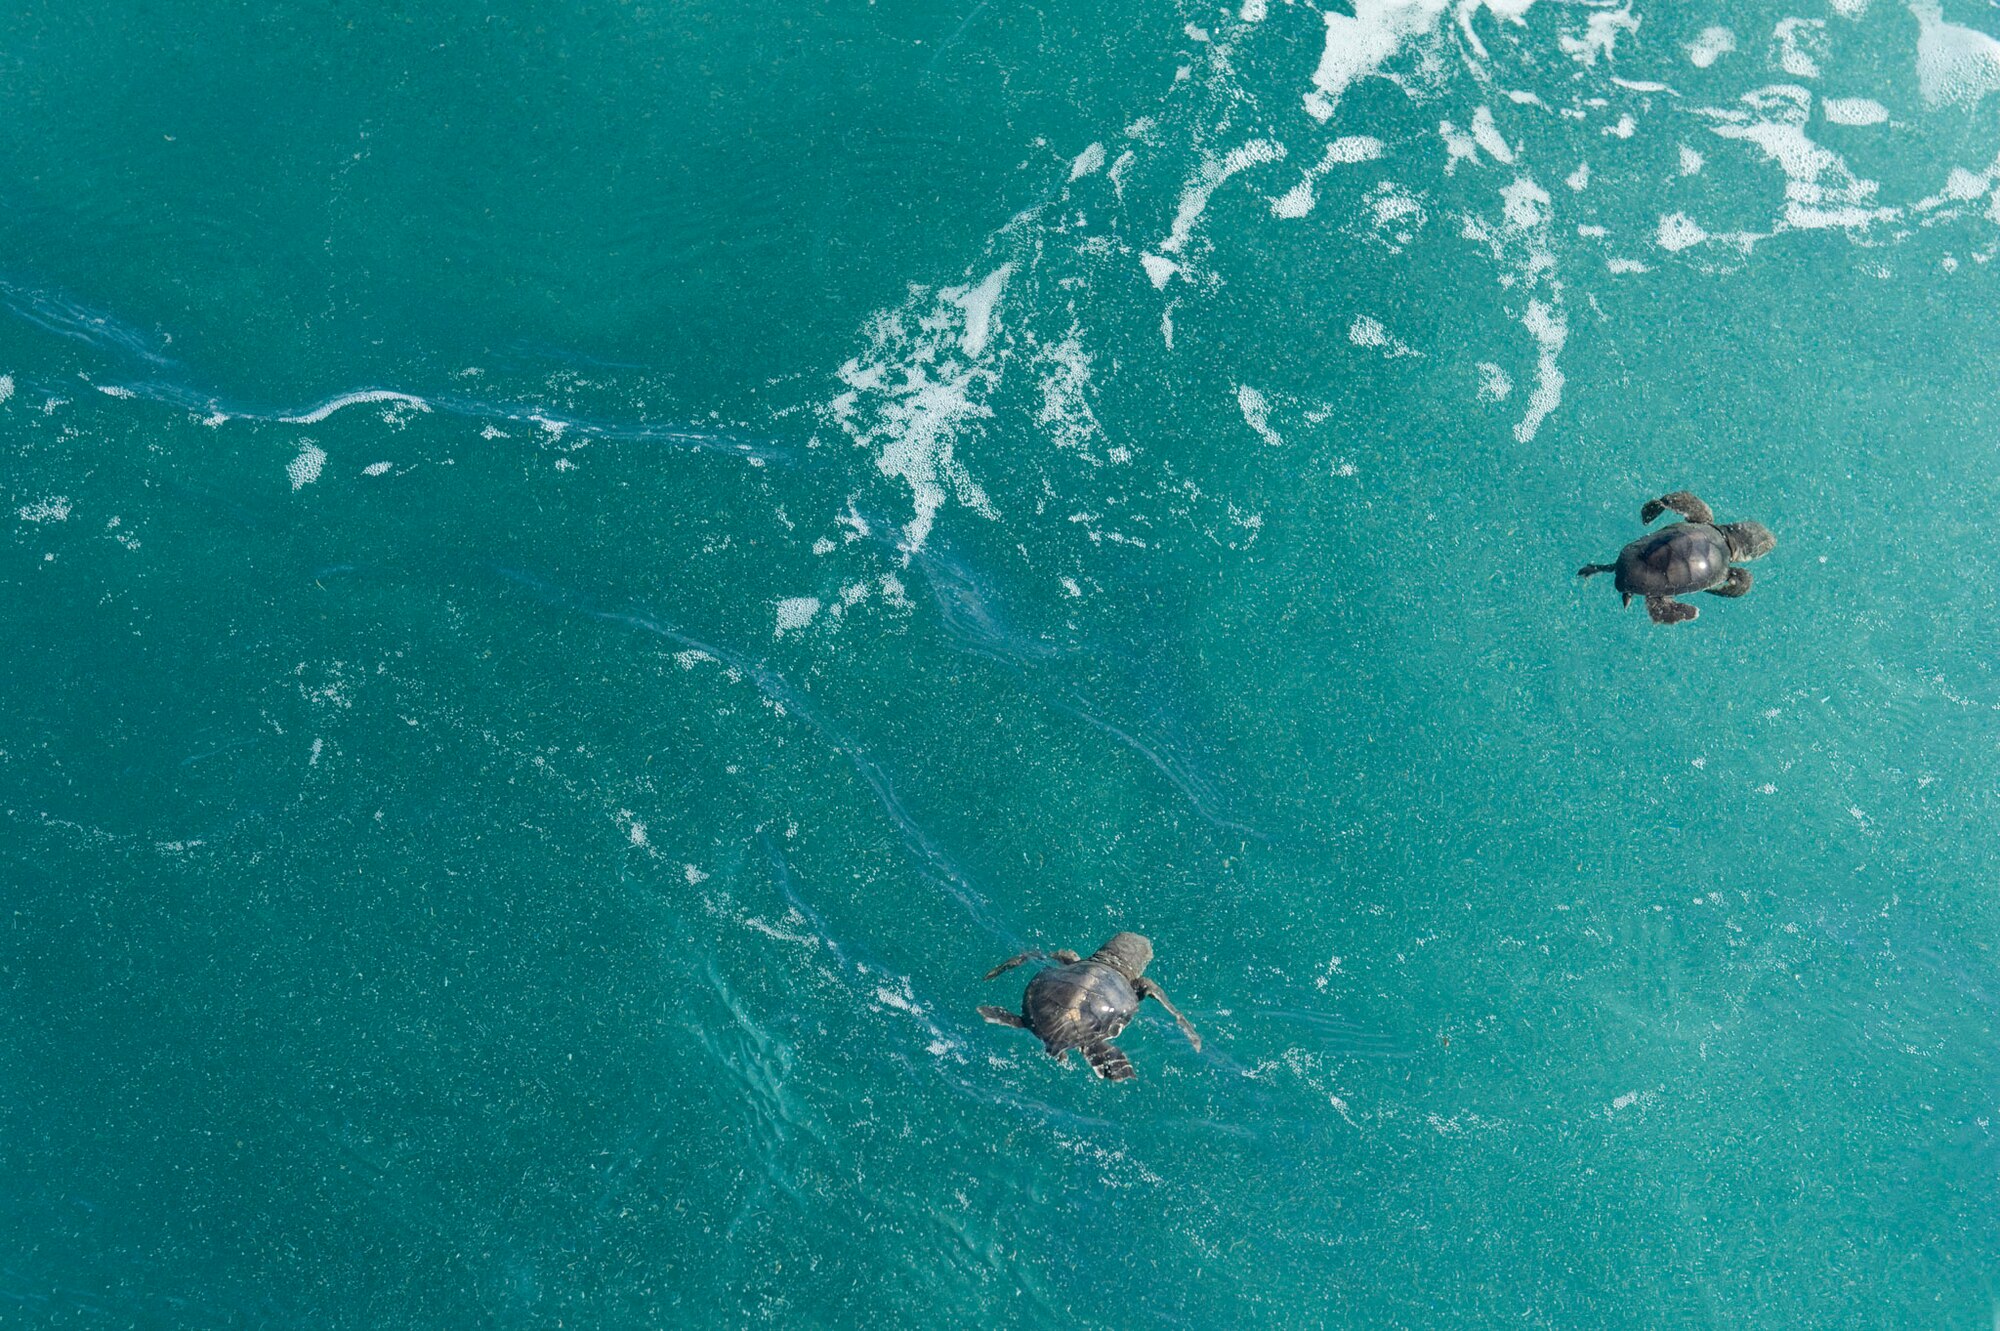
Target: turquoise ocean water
574 573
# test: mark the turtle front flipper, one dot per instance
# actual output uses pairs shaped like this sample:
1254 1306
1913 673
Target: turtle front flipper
1666 610
1681 502
1000 1016
1150 988
1108 1061
1736 584
1065 956
1012 962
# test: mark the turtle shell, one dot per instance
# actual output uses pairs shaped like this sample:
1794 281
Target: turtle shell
1072 1005
1685 557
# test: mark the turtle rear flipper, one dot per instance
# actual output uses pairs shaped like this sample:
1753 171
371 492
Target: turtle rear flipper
1738 584
1666 610
1592 570
1681 502
1000 1016
1108 1060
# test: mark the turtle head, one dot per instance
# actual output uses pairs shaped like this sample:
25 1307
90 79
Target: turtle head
1128 954
1748 540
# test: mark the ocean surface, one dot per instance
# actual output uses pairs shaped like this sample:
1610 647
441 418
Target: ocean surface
573 574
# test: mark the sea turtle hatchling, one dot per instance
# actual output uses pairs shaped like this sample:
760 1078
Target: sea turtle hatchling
1691 556
1086 1001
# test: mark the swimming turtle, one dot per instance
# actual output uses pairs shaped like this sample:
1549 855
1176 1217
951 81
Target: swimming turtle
1085 1002
1691 556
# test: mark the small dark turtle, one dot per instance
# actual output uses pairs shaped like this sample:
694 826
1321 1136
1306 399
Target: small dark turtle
1085 1002
1691 556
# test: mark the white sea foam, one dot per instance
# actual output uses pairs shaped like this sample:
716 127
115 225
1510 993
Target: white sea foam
1256 413
376 468
1357 45
1213 171
1956 65
1089 160
1961 187
326 409
1494 383
1964 185
1600 35
978 302
1820 189
6 387
1395 215
1367 332
795 612
53 509
1158 270
1507 11
1294 202
1644 1099
1485 136
1065 384
1459 146
903 999
1626 266
1526 204
1521 243
1691 161
919 386
1550 330
305 468
1801 46
1486 132
1116 172
1853 111
1710 45
1678 232
1299 200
